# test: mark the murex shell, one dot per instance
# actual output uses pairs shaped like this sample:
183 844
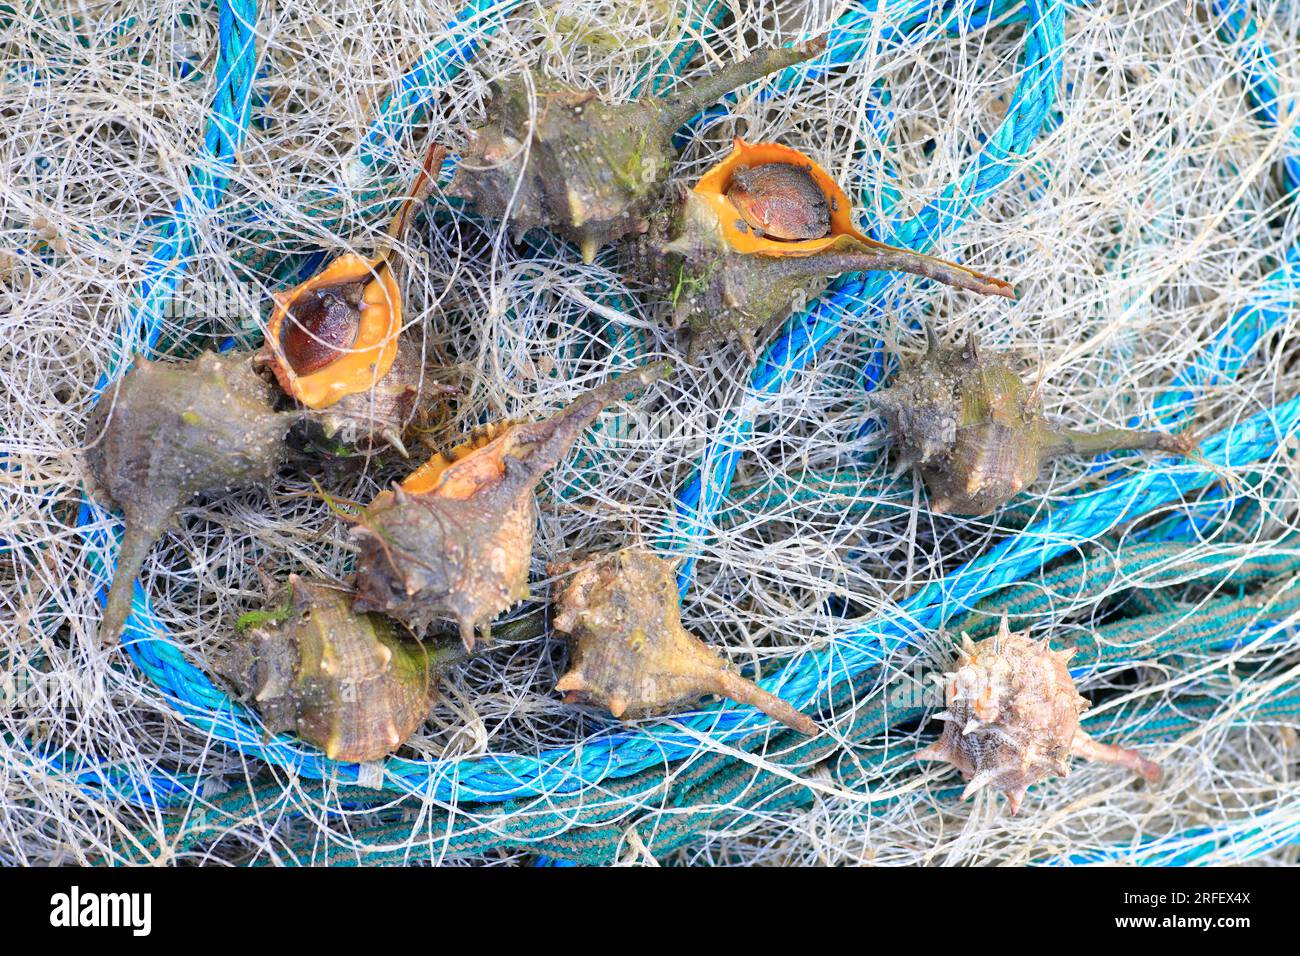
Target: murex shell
347 682
590 170
977 432
455 538
172 431
631 654
1012 718
334 342
757 237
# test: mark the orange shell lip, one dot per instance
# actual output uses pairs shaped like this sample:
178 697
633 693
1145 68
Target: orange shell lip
714 184
466 469
372 353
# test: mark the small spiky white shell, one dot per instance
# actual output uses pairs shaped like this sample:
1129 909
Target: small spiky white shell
1012 717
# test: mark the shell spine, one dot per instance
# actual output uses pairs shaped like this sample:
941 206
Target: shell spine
1012 718
631 654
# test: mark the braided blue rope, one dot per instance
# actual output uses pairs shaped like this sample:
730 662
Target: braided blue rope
405 106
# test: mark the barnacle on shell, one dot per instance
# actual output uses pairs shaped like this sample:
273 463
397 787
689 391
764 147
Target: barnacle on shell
455 538
631 654
334 342
977 432
1012 718
349 683
587 169
757 237
172 431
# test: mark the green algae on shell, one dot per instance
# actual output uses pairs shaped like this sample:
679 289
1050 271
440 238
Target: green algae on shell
350 683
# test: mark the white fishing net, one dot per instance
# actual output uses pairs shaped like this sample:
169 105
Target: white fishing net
1148 212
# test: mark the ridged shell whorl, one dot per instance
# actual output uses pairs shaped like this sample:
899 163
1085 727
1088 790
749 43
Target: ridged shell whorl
631 654
346 682
1012 718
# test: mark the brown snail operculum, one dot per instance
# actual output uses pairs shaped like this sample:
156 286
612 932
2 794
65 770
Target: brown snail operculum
347 682
566 160
746 246
781 200
1012 718
631 654
455 539
336 334
977 433
171 432
320 325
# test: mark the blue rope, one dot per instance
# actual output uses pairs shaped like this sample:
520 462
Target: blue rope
441 63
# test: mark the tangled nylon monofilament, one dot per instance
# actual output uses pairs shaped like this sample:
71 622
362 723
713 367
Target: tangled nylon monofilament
615 754
812 670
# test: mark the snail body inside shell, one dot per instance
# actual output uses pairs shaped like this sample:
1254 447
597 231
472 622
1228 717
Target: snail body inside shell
781 201
335 344
757 237
337 333
978 434
320 325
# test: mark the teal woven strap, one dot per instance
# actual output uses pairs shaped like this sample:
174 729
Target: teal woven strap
1155 564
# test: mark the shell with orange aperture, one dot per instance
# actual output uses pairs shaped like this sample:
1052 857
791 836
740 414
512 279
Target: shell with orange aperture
716 275
454 540
714 186
355 355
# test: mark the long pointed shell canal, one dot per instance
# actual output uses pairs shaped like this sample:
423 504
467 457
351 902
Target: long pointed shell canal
168 433
977 433
631 654
756 238
455 539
